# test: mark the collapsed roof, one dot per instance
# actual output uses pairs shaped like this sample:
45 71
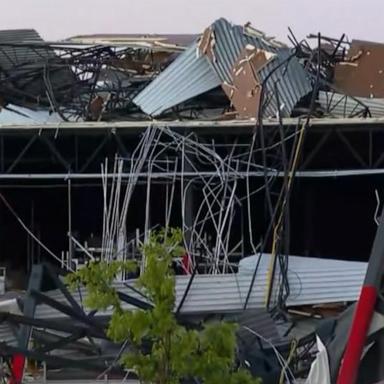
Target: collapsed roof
228 71
240 59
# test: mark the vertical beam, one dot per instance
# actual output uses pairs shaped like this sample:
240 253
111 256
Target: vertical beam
189 213
2 154
70 248
364 310
76 153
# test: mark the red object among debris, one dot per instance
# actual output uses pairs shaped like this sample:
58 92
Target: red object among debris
186 264
358 334
18 362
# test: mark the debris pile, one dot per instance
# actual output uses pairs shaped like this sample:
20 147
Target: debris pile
285 305
229 71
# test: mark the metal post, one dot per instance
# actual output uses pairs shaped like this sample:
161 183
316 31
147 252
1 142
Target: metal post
69 223
364 310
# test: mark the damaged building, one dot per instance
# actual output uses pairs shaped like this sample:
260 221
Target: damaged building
267 155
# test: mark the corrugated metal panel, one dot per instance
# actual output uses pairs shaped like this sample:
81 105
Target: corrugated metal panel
7 334
8 305
230 40
339 105
14 55
191 75
291 81
24 64
312 281
188 76
20 115
293 84
259 320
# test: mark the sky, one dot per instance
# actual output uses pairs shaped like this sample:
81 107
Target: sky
57 19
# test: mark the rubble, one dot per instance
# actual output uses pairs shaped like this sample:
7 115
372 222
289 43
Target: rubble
142 77
186 101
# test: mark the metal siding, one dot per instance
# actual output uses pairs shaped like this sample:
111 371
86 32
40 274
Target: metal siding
343 106
7 334
188 76
230 41
292 79
257 319
24 64
13 55
193 75
311 282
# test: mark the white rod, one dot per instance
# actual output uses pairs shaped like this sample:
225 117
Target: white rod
170 175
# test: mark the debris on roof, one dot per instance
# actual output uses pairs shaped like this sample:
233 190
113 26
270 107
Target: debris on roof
175 40
135 76
187 77
361 73
226 72
223 50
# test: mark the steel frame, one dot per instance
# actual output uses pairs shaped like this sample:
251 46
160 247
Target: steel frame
81 325
65 148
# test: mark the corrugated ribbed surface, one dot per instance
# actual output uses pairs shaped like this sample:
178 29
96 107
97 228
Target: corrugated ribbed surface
338 105
291 79
230 40
260 321
312 281
7 334
24 65
13 55
188 76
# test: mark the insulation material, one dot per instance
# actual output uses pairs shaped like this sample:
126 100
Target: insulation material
212 61
362 73
245 90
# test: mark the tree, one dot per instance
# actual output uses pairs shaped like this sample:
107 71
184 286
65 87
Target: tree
162 350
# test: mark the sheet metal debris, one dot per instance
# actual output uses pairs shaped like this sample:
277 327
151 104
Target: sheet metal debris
185 78
311 280
343 106
228 48
227 70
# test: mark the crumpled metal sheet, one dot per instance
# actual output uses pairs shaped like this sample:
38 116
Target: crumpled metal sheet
311 281
17 59
188 76
339 105
283 70
210 62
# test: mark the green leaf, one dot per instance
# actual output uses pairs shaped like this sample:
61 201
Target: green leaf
162 351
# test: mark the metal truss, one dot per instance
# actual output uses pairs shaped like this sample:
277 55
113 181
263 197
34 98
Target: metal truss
40 339
76 153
